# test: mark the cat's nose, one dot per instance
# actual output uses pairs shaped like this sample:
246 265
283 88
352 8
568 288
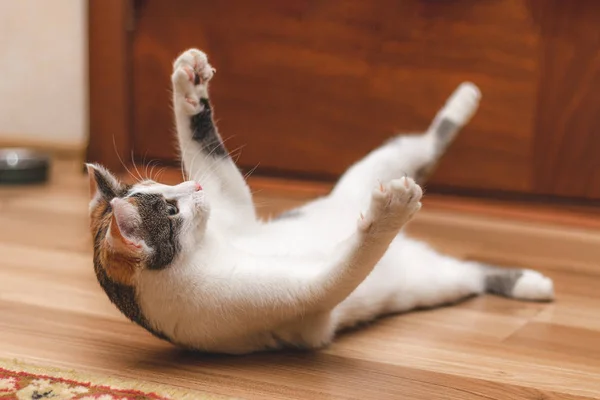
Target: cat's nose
198 187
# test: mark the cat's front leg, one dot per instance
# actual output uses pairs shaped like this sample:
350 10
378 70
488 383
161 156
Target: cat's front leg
191 75
392 205
203 153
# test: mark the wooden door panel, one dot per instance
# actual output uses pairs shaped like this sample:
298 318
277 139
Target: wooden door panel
568 138
310 86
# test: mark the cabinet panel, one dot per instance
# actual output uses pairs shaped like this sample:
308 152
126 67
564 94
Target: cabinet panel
567 161
308 87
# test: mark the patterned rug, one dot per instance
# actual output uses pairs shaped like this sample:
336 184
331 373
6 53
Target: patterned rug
28 382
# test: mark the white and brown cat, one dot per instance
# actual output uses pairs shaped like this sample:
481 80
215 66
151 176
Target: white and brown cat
194 265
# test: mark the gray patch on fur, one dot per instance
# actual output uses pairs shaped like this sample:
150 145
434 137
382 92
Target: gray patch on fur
294 213
445 133
445 130
159 229
204 131
501 281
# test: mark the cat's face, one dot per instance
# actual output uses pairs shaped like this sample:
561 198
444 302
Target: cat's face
142 226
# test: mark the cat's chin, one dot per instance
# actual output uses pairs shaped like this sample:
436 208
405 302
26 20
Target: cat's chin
200 205
196 205
200 212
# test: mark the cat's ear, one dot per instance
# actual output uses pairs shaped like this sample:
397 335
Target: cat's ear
103 184
124 230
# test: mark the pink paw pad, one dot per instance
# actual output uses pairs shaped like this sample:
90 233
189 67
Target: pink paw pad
190 101
190 73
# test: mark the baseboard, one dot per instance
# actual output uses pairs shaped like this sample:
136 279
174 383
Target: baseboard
68 151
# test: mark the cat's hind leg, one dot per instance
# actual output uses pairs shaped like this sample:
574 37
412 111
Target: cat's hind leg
412 275
341 269
412 155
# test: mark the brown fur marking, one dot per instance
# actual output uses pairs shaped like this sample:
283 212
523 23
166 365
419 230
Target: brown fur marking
115 270
119 263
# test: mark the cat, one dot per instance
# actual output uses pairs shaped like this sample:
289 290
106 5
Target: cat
193 264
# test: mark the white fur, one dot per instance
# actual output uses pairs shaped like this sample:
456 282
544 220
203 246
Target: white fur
533 286
462 104
243 285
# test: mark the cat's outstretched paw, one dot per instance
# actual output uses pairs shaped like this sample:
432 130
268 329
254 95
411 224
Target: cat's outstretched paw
532 285
462 104
191 73
392 205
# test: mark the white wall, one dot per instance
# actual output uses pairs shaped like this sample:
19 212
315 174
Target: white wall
43 71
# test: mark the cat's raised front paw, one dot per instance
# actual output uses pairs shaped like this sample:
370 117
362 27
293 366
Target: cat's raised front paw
191 73
195 61
392 205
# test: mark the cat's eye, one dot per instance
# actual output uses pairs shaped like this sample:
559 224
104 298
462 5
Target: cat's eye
172 209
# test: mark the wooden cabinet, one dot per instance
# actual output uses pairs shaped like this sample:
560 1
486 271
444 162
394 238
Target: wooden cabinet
307 87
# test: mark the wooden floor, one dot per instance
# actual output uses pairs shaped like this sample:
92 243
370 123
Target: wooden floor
53 312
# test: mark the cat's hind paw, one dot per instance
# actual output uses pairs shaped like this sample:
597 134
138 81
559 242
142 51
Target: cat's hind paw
392 205
462 104
532 285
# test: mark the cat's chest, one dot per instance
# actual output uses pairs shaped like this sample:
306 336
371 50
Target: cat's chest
305 235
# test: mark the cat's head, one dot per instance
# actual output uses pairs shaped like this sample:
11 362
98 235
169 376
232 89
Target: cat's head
146 225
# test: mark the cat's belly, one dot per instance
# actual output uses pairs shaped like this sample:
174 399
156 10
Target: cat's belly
195 311
225 332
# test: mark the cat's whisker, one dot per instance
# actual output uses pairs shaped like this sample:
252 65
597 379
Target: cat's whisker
150 168
213 160
182 168
221 141
136 168
154 164
121 160
213 164
142 166
193 162
238 150
146 167
247 174
208 156
160 173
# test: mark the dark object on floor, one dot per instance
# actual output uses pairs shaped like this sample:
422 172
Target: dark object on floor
20 166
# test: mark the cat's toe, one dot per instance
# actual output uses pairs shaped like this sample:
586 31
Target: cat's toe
380 194
392 204
405 191
197 60
191 74
183 78
190 57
